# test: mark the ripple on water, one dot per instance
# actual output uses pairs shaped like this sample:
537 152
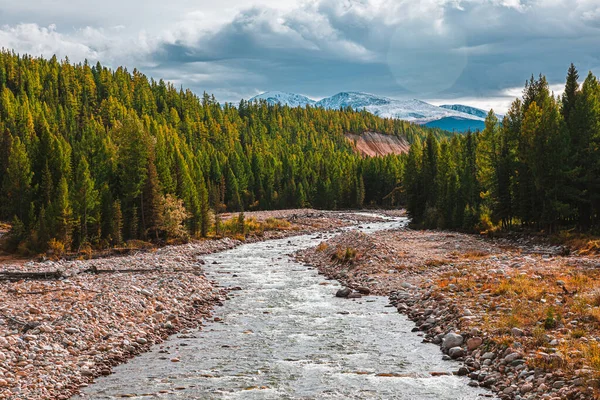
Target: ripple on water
285 336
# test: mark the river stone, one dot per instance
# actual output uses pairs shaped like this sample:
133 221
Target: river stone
526 388
456 352
474 343
345 292
354 295
512 357
363 290
452 340
516 332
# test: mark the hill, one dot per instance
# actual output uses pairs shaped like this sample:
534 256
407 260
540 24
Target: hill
93 157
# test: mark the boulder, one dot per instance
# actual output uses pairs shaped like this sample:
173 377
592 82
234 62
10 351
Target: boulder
452 340
456 352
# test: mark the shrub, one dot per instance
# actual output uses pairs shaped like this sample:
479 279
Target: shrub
56 249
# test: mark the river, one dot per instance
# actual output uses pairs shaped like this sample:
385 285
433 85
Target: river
286 336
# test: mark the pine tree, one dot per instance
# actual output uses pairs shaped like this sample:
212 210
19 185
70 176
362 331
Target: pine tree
117 224
569 97
63 214
85 198
17 182
151 202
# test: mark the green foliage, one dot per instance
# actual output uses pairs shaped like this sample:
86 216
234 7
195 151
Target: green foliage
89 154
540 167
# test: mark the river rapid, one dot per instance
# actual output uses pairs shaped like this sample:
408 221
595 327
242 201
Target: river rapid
286 336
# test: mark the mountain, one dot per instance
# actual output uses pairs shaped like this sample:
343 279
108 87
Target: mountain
454 124
477 112
456 117
288 99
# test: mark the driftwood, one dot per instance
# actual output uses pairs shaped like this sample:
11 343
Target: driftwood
57 275
59 290
25 325
32 276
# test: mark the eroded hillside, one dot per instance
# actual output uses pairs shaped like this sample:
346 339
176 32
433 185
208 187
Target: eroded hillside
372 144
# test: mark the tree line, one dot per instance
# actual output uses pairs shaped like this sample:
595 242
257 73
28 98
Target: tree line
94 156
539 168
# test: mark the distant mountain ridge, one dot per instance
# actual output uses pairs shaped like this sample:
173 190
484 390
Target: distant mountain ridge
455 117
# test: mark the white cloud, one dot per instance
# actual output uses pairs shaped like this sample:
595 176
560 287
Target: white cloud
440 49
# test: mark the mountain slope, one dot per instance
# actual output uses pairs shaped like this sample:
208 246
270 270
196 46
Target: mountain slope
456 117
287 99
476 112
454 124
372 144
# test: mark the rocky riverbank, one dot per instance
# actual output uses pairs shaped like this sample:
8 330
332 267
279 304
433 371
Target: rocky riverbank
523 319
64 323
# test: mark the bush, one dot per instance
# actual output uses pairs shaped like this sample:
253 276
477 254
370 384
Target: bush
56 249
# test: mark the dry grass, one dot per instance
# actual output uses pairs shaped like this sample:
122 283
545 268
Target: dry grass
345 255
561 303
323 246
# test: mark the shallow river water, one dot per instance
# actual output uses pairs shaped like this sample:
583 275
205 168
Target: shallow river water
285 336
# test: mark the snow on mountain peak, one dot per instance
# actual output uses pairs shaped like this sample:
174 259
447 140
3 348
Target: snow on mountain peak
412 110
289 99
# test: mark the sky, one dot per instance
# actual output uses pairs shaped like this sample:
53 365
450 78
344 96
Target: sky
474 52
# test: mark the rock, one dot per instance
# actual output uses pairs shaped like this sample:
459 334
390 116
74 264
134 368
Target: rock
526 388
452 340
141 340
345 292
512 357
474 343
558 384
3 383
2 356
488 356
456 352
463 371
363 290
71 330
146 293
516 332
354 295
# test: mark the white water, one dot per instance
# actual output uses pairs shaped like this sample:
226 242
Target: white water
285 336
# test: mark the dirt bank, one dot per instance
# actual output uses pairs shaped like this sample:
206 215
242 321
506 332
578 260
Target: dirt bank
373 144
524 320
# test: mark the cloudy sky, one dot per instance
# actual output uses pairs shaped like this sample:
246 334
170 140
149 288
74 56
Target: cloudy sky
477 52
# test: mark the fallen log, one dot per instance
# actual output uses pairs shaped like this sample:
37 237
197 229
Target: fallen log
34 276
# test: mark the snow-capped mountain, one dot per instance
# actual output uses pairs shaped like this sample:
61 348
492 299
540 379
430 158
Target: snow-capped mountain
477 112
455 117
289 99
409 110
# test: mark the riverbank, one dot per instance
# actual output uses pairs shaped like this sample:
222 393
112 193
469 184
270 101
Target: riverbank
59 331
524 320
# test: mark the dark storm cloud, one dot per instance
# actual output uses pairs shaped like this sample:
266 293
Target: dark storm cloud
431 48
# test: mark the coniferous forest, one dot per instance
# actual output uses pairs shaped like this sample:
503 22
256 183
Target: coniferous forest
538 168
95 156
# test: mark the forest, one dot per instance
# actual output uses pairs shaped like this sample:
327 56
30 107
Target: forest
95 157
537 169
